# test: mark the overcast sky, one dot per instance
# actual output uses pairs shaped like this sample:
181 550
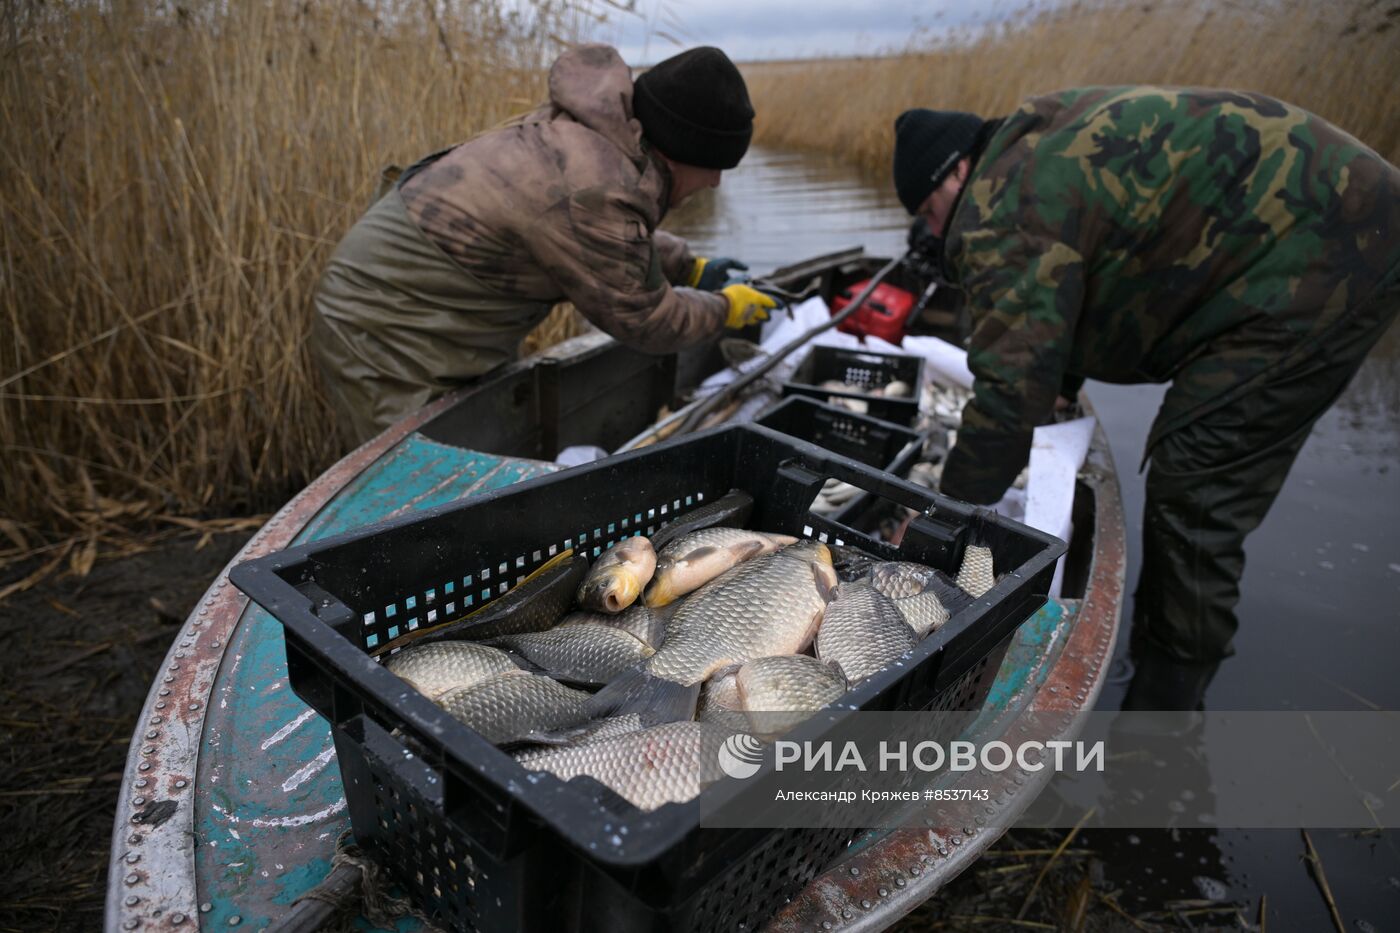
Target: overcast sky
766 29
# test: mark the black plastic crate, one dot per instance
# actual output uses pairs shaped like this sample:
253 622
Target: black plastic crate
880 444
865 369
482 844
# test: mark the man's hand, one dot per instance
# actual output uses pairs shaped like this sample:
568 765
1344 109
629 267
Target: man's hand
711 275
746 306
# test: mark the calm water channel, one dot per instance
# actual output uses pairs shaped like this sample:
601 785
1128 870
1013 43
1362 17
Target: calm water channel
1321 593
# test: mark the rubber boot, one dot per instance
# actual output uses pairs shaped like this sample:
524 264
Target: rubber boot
1161 682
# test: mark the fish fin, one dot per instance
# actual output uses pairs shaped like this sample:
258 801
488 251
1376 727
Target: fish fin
780 540
659 619
725 671
556 737
655 699
705 550
665 612
524 663
825 578
747 551
840 672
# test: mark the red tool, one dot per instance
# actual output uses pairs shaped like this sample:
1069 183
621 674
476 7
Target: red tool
885 314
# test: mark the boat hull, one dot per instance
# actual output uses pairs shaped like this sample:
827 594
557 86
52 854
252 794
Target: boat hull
231 803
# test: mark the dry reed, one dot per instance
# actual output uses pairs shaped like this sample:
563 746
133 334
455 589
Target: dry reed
172 179
1337 58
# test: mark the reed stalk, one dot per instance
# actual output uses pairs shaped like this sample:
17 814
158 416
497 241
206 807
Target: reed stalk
1337 58
172 180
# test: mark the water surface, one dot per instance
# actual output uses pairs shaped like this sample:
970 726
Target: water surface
1321 591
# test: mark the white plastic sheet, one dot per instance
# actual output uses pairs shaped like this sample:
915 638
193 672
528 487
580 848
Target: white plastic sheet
578 455
1057 453
943 362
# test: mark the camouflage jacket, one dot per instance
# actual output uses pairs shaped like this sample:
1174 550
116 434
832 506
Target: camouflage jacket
563 204
1126 234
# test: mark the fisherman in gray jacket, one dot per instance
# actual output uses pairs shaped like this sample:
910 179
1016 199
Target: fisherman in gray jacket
438 282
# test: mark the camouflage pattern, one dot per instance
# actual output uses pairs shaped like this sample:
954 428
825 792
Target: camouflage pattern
439 282
1212 481
1210 238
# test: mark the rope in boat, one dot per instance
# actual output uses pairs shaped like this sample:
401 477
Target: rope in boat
356 886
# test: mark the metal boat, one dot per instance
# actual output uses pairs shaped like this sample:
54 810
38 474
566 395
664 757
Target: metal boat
231 803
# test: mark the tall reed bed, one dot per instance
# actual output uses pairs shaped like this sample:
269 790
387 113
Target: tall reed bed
172 179
1337 58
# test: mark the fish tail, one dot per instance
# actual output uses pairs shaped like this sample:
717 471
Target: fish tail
655 699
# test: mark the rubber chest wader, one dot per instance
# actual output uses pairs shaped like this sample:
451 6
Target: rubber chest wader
398 322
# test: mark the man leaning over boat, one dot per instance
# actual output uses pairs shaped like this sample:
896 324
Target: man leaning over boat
1236 246
441 279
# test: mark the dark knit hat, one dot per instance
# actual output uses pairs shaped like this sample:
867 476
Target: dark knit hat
927 146
695 108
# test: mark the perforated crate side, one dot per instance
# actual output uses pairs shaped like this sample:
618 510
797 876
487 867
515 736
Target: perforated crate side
334 598
864 371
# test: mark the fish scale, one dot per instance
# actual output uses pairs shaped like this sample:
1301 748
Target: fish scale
433 670
863 632
722 691
788 683
900 579
644 624
780 692
925 612
768 606
720 702
690 562
669 763
582 653
510 706
976 575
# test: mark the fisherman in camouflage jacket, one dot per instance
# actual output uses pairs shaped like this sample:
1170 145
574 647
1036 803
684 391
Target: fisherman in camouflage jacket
438 282
1238 247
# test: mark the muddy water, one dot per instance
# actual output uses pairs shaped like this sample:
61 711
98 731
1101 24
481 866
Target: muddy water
1321 592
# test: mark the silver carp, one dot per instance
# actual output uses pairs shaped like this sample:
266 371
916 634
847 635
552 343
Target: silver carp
976 575
862 632
770 605
779 692
643 623
731 509
433 670
619 576
720 702
900 579
925 612
699 557
580 653
511 706
903 580
669 763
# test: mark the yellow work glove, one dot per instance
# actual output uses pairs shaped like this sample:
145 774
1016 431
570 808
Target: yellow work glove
710 275
746 306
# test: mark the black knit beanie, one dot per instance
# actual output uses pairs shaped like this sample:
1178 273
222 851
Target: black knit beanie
927 146
695 108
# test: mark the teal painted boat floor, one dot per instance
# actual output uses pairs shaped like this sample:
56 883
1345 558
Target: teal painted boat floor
270 807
